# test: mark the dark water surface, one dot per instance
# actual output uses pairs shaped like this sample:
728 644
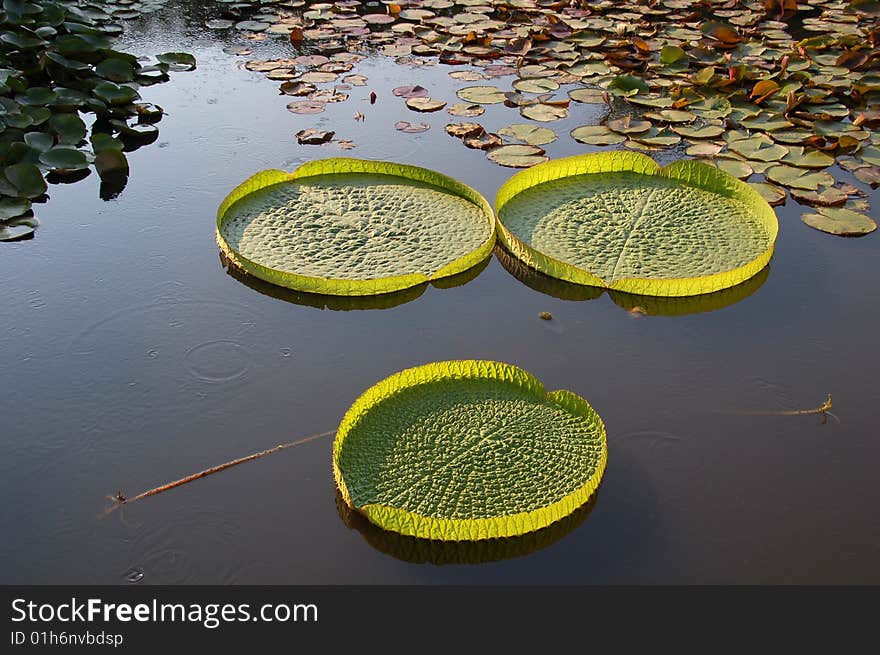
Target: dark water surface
129 357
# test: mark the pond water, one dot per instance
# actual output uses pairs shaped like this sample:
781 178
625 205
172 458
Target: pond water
129 358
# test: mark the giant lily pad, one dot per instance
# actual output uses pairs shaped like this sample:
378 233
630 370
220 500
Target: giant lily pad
619 220
354 227
467 450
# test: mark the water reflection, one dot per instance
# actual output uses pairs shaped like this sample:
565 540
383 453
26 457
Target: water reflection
650 305
432 551
347 303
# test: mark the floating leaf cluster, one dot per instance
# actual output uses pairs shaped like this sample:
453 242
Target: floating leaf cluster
750 85
58 70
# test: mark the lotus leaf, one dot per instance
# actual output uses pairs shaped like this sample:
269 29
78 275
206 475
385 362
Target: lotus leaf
619 220
354 227
467 450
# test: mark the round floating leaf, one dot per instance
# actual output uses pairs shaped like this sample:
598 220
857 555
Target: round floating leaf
354 227
27 179
115 94
830 197
517 156
535 85
588 96
840 221
180 61
543 112
425 104
773 194
18 229
803 158
313 137
12 207
596 135
64 159
735 167
703 132
481 95
467 450
411 128
798 178
464 130
410 92
306 107
628 85
619 220
626 125
111 162
466 110
115 70
530 134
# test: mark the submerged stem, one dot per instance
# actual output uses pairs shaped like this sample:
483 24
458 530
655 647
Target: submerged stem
121 499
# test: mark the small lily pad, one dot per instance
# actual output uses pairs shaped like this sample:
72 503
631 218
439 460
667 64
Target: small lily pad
64 159
481 95
313 137
589 96
596 135
411 128
773 194
840 221
466 110
798 178
543 113
530 134
517 156
27 179
425 105
535 84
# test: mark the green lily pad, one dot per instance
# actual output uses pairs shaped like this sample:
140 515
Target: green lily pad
588 96
840 221
18 229
354 227
830 197
115 94
425 104
64 159
543 113
517 156
481 95
698 132
628 85
773 194
672 116
13 207
759 148
734 167
803 158
450 451
798 178
27 179
535 85
530 134
596 135
626 125
115 70
618 220
465 109
111 162
181 61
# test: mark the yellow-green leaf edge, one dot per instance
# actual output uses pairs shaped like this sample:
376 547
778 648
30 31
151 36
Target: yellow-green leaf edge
690 172
426 527
341 287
